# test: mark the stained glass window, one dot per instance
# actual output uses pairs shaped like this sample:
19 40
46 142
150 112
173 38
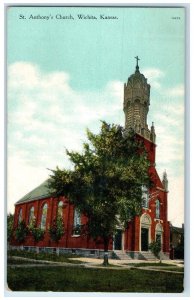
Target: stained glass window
31 215
145 196
20 215
60 209
157 209
77 217
44 215
77 222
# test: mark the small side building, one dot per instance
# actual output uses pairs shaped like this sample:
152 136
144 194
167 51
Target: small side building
176 242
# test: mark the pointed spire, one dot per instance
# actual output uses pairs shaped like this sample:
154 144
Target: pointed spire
137 66
165 174
153 134
165 181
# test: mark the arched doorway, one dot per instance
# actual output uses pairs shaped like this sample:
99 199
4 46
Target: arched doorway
145 232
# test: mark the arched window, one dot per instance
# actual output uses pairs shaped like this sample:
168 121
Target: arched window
44 215
159 233
60 209
31 215
145 196
77 218
20 215
145 220
77 222
157 209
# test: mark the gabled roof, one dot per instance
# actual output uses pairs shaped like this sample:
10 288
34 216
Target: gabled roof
40 192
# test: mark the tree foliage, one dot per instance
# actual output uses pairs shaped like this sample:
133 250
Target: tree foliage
106 181
37 232
21 231
10 229
56 229
179 249
155 247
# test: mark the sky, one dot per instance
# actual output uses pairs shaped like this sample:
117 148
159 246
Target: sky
65 75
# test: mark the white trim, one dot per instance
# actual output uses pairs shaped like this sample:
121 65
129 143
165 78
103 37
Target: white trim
160 189
145 225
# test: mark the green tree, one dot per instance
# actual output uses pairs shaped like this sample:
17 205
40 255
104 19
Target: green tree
21 231
179 249
106 181
37 232
155 247
10 229
56 229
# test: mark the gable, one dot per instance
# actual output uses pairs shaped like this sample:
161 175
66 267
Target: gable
40 192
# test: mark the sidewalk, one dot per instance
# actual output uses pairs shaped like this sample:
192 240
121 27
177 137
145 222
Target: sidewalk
97 263
117 262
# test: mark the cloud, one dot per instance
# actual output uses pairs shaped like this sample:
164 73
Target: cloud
45 116
154 75
176 201
170 134
29 77
22 178
177 91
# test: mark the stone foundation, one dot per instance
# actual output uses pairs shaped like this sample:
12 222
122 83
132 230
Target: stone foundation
96 253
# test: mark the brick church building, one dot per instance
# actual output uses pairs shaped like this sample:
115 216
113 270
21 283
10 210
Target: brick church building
141 230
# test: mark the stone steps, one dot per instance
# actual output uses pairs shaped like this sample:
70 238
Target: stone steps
148 255
121 255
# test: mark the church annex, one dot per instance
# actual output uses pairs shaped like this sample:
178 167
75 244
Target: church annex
134 241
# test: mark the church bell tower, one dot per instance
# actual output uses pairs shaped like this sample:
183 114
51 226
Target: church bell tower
136 104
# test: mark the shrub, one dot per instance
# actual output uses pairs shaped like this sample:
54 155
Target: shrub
155 248
10 229
21 231
56 230
37 232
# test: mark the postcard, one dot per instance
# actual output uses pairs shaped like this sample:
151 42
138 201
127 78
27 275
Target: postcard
95 149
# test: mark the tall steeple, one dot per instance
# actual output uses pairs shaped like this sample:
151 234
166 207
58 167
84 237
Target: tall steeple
136 104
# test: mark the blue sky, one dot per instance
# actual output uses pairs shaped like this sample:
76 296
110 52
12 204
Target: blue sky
65 75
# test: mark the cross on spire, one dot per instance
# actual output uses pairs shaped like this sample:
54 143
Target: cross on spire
137 58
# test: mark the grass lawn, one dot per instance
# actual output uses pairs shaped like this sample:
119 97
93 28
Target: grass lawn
43 256
160 266
11 261
150 264
67 279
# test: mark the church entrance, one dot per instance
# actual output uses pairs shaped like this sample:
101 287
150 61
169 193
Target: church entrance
144 233
118 240
144 239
